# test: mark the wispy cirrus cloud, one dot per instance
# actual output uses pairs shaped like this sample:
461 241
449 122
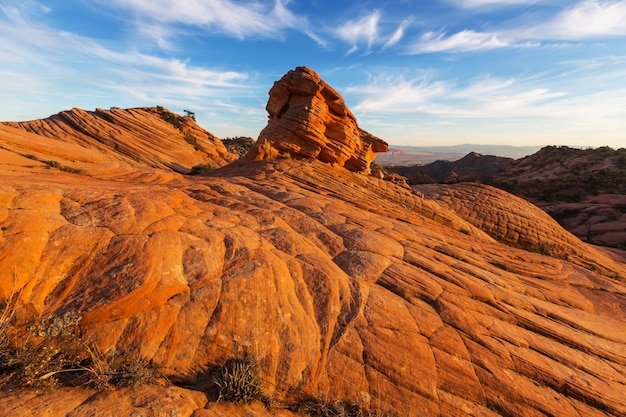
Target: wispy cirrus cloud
405 109
84 72
240 19
471 4
366 32
363 30
466 40
485 97
587 19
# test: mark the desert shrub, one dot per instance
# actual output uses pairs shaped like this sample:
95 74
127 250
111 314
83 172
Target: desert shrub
102 371
52 353
169 117
49 347
72 170
201 169
316 407
53 164
238 381
191 139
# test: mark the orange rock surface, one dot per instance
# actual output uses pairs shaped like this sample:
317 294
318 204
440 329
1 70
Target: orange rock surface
308 118
116 140
342 286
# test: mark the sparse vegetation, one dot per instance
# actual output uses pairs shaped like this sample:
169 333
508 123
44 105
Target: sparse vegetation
169 117
238 145
190 114
238 381
193 141
52 353
316 407
201 169
57 165
53 164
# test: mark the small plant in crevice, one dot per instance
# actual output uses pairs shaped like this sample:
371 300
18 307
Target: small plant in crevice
53 164
238 381
201 169
316 407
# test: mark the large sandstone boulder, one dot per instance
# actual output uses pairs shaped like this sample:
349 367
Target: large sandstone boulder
308 118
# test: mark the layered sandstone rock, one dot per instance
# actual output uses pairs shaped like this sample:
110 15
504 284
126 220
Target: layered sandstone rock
116 140
308 118
342 285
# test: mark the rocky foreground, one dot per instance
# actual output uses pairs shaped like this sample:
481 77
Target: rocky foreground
450 301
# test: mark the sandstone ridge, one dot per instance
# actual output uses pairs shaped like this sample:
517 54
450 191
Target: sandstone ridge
456 301
112 142
308 118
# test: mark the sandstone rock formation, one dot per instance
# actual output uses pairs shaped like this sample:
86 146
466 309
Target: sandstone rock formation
457 301
116 140
344 286
308 118
584 189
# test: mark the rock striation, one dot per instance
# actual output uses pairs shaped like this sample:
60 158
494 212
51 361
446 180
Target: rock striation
308 118
341 286
116 140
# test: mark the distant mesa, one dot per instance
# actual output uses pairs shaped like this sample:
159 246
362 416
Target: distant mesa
308 118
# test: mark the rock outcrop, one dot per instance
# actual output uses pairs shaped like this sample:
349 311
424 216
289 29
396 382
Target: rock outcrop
584 189
341 286
308 118
116 140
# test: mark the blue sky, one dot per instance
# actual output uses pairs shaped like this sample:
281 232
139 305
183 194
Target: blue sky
414 72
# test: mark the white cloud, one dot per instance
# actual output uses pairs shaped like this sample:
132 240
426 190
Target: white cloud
366 32
466 40
484 97
361 30
542 109
398 34
586 19
470 4
398 96
240 19
82 72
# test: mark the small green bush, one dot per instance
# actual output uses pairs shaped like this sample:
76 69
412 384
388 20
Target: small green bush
201 169
238 382
169 117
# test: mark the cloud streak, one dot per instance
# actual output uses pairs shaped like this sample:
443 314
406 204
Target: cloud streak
365 32
466 40
86 73
485 97
239 19
585 20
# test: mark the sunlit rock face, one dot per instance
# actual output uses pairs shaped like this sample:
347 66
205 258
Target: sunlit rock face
308 118
454 301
